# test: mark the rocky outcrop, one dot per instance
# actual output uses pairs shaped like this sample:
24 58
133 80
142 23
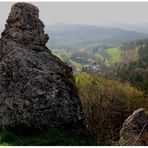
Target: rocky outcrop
37 90
135 129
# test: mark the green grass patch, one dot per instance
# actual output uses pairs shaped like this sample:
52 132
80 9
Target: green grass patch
114 54
52 137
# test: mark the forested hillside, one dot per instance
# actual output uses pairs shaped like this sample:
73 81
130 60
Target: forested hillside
106 104
135 69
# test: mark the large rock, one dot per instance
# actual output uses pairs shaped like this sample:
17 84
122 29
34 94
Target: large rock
37 90
135 129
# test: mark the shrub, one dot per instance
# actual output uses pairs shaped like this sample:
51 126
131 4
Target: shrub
106 104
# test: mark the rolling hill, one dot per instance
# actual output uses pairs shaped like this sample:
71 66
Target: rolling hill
141 27
82 36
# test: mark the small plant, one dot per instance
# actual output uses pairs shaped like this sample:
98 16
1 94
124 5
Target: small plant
7 136
122 142
52 137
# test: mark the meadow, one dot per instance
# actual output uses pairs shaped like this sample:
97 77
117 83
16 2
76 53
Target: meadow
114 54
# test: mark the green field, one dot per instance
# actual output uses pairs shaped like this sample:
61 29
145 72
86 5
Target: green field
114 54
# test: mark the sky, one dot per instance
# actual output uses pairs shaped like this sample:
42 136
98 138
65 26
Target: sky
93 13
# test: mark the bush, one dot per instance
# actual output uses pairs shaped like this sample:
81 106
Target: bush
106 104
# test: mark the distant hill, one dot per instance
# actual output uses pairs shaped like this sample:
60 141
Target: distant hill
81 36
143 27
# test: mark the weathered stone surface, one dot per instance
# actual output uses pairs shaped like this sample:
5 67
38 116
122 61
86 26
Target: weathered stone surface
24 25
37 89
135 129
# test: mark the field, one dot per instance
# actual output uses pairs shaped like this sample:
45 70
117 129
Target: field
114 54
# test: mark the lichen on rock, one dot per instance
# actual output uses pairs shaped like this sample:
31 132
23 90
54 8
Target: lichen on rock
134 131
37 90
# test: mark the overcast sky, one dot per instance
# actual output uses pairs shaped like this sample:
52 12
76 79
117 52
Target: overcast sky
86 13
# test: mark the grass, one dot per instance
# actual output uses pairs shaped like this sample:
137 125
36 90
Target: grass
114 54
52 137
